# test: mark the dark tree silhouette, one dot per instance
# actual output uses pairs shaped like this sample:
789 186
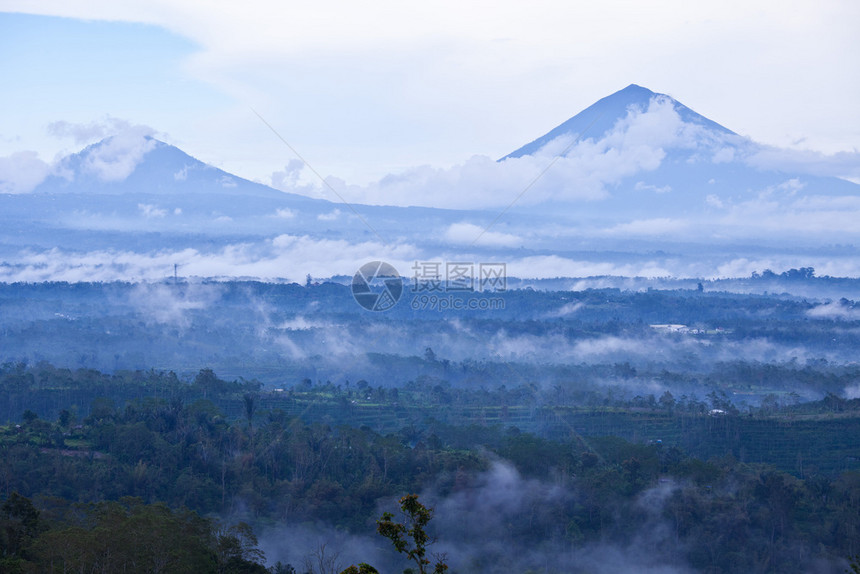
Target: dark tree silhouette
409 537
417 516
249 402
361 569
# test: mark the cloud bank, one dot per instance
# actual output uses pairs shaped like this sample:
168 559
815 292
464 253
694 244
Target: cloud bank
21 172
636 144
122 147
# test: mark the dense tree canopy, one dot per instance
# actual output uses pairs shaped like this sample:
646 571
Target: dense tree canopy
65 481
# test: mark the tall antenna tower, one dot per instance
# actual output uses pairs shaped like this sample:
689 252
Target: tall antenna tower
175 278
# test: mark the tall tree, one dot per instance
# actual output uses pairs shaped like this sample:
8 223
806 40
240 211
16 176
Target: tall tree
249 402
410 536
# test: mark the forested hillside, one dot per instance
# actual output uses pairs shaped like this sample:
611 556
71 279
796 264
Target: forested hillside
331 457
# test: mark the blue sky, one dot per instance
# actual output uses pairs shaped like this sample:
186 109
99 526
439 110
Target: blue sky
84 72
364 91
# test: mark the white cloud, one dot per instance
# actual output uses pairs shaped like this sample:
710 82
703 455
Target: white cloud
789 187
782 211
149 210
115 158
742 267
642 186
636 144
724 155
292 257
530 56
288 257
824 264
168 305
656 226
590 349
469 234
836 311
227 181
21 172
843 164
288 179
714 201
285 213
567 309
331 216
83 133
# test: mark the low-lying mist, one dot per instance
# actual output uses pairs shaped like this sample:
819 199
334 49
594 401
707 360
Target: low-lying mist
282 334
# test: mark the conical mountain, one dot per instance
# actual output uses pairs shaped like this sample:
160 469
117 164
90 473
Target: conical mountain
129 164
641 155
600 117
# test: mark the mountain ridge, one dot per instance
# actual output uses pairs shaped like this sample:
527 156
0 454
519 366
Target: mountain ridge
653 189
160 169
